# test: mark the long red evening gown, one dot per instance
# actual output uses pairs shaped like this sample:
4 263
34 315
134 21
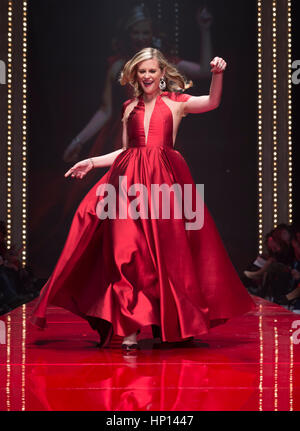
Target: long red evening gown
145 271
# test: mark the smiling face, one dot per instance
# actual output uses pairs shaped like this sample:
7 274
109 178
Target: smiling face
149 75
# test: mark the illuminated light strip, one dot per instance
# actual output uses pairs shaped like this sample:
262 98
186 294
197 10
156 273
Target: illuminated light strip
9 124
176 26
275 367
24 190
275 146
261 359
9 185
291 371
8 370
290 167
260 141
24 133
23 367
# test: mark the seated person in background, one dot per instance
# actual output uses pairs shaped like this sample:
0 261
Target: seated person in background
294 293
279 249
253 275
16 285
8 293
273 278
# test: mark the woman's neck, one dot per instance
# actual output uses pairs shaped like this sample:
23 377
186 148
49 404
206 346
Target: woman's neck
149 97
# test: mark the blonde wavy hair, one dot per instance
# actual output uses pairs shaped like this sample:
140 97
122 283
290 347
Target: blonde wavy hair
175 81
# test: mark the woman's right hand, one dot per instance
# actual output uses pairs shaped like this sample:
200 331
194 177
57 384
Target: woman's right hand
80 169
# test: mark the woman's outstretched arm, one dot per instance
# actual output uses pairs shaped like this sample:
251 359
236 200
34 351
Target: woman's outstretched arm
198 104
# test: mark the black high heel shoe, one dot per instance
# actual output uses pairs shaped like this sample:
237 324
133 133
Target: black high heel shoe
104 329
105 337
156 331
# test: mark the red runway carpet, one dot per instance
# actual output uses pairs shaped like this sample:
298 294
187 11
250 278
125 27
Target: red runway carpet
250 363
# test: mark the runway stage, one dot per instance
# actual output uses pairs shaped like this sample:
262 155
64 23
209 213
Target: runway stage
249 363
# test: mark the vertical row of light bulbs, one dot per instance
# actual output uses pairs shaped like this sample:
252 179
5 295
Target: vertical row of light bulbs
291 377
261 358
24 189
260 138
24 132
274 131
9 180
276 363
290 167
274 118
9 124
9 127
9 184
289 113
260 193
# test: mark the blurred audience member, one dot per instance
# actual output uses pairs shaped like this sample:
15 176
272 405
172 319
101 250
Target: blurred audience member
276 273
17 285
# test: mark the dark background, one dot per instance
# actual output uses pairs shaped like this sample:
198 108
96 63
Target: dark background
69 43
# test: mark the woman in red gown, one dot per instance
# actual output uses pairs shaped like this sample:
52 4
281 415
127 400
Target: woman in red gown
121 273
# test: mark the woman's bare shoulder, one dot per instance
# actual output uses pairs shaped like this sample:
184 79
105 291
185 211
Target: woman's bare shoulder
178 96
128 106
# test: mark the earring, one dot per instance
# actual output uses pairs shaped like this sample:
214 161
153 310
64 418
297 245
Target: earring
162 83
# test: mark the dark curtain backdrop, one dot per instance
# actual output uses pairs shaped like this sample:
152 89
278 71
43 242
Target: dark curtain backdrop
69 48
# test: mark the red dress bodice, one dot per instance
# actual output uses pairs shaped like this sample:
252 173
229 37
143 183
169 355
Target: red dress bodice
160 131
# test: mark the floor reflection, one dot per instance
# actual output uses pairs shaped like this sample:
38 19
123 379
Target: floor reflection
246 364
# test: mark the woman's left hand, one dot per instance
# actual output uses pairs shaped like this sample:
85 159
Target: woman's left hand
218 65
80 169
